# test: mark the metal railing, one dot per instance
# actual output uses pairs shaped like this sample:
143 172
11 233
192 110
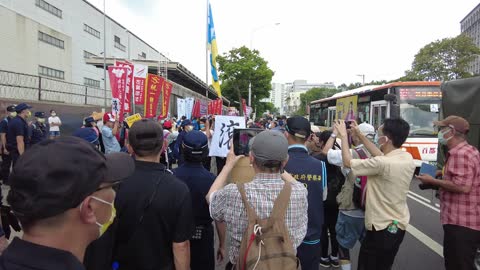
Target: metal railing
14 85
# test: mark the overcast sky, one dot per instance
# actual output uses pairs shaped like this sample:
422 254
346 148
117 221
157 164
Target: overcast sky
319 41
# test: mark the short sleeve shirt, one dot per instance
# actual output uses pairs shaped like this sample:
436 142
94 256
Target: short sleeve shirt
4 124
109 141
56 120
168 220
462 168
17 127
389 178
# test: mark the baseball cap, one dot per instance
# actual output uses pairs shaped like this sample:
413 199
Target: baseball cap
108 117
298 126
195 141
186 123
167 124
89 119
40 114
366 129
270 146
11 108
54 176
22 106
88 134
458 123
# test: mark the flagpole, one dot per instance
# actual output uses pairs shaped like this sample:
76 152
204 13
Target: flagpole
206 53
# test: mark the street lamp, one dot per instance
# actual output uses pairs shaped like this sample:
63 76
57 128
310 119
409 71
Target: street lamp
251 48
363 78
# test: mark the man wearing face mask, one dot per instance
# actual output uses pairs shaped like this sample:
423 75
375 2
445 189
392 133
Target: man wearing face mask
459 194
186 126
39 129
389 176
17 135
6 158
54 122
62 205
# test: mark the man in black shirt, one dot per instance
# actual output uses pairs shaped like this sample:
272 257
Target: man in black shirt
17 134
63 203
155 210
6 158
199 180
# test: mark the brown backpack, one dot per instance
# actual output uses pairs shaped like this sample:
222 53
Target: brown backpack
266 243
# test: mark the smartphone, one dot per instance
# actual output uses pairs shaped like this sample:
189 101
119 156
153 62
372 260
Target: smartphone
348 124
241 139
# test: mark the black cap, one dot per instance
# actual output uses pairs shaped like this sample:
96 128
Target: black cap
89 119
56 175
40 114
298 126
22 106
11 108
195 143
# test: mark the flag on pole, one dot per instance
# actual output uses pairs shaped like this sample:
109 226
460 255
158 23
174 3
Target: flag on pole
212 46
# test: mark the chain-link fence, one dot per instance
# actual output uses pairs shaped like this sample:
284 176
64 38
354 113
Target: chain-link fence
27 87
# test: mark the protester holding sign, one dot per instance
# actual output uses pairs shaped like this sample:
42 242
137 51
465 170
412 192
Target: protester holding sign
109 131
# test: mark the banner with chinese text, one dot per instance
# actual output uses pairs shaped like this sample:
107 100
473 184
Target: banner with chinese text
166 92
139 78
152 94
118 82
129 84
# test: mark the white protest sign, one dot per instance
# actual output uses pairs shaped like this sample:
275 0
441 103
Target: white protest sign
223 133
181 108
189 107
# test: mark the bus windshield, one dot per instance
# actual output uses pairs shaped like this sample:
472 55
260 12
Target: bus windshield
420 115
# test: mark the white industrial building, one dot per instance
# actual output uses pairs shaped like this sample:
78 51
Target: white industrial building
470 26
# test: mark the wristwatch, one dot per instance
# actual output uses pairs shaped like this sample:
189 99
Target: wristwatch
333 135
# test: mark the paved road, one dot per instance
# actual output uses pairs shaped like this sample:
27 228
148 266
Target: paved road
422 246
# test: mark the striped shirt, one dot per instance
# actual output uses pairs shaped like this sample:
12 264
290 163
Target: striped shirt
226 205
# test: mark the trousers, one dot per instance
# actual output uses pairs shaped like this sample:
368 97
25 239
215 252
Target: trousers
460 247
379 249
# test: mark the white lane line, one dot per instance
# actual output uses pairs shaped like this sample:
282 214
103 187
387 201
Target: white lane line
419 196
422 202
437 205
427 241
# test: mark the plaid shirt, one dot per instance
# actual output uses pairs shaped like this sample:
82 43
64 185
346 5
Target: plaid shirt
226 205
462 168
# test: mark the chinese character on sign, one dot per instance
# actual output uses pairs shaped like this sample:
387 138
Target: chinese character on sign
228 130
432 150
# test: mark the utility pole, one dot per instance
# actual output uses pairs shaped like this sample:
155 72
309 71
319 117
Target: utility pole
363 78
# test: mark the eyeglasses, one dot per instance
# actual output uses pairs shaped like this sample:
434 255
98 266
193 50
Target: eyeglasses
111 185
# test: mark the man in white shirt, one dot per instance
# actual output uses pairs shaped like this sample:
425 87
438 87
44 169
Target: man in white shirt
54 122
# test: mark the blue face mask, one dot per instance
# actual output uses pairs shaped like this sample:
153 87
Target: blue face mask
202 126
441 138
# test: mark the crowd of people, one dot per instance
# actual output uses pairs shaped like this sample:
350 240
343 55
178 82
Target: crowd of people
149 196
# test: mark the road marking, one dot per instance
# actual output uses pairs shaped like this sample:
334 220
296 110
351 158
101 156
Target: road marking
424 203
419 196
427 241
437 205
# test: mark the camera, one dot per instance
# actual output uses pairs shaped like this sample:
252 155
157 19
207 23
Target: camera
427 186
348 124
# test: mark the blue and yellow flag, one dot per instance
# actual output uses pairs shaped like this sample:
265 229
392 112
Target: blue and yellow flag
212 45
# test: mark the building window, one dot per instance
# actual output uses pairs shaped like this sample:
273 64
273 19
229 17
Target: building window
91 82
88 54
51 40
91 31
118 44
50 72
142 56
49 8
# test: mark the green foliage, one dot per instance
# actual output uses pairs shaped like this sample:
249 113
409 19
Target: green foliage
314 94
263 107
443 60
240 66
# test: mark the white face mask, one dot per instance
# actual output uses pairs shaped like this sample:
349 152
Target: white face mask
54 114
188 128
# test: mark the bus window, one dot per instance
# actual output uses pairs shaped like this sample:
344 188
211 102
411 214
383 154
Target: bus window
379 113
363 113
332 112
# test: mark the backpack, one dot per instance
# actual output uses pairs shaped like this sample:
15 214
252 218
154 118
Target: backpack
266 243
360 185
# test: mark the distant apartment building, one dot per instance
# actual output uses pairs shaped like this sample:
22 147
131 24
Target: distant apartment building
294 90
277 96
470 26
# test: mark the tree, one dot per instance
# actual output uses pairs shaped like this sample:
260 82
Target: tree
263 107
443 60
314 94
238 68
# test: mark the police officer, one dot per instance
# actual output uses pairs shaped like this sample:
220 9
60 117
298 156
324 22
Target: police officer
6 158
198 180
17 134
311 172
39 129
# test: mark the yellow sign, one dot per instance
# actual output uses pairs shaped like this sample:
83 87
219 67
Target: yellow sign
347 108
132 119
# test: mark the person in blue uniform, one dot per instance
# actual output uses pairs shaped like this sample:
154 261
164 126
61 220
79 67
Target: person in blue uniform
39 129
311 172
17 134
199 181
6 158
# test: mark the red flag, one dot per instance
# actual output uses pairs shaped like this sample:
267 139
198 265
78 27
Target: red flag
219 106
167 91
118 80
139 78
152 93
129 87
196 109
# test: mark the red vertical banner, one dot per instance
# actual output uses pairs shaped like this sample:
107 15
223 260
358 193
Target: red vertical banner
139 78
152 94
209 107
167 91
244 106
129 85
196 109
118 83
219 106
